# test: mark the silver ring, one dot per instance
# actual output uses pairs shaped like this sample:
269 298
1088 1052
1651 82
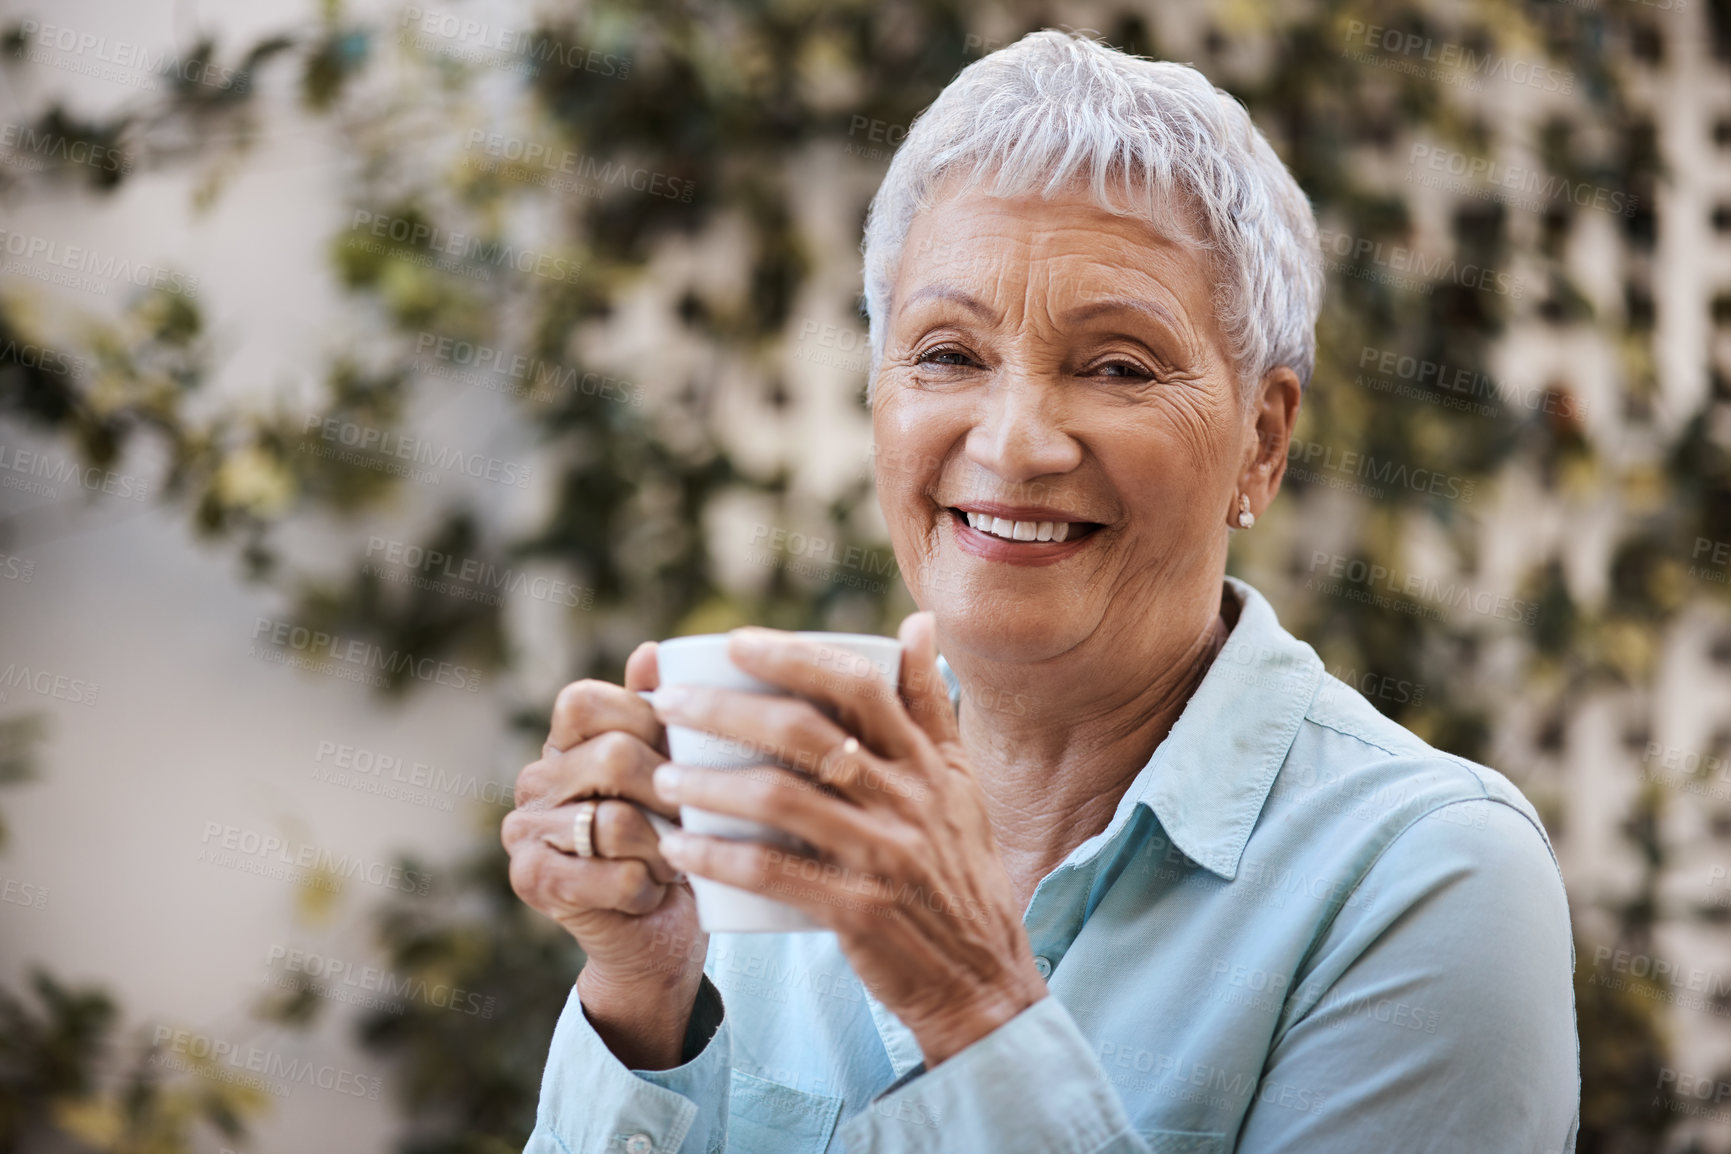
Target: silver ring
583 828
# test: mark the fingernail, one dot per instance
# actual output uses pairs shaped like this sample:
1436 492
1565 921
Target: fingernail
667 781
673 845
671 697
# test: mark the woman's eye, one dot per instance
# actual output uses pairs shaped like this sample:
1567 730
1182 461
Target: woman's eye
945 357
1125 369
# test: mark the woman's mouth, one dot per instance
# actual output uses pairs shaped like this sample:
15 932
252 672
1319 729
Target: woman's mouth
1035 535
1022 530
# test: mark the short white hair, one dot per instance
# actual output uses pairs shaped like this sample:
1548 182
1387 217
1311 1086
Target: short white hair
1150 139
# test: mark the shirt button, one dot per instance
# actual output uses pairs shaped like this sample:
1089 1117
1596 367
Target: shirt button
1043 964
638 1144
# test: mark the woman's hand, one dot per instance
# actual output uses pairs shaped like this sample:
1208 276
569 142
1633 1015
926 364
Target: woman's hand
630 911
906 871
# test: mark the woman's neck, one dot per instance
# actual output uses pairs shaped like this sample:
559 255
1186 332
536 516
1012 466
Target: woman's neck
1054 769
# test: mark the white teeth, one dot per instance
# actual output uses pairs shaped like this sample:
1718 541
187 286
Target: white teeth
1019 530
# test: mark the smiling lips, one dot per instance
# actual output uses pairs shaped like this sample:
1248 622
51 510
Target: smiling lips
1037 528
1018 530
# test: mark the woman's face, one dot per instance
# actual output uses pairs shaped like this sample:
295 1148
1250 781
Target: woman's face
1053 370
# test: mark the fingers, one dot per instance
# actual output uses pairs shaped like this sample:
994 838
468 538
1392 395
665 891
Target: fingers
620 832
562 886
780 798
589 707
614 764
865 704
790 731
922 687
642 671
772 872
781 728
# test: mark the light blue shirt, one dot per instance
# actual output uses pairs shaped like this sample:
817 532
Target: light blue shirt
1303 929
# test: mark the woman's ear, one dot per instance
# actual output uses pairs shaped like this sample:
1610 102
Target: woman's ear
1272 414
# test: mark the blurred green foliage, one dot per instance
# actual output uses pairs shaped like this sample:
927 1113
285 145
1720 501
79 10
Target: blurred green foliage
731 101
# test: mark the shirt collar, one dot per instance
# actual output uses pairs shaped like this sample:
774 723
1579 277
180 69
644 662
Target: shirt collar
1207 781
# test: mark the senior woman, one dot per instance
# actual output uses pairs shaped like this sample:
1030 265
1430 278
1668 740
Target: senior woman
1125 870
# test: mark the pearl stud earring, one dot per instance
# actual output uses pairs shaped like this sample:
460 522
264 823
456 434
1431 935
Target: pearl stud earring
1245 517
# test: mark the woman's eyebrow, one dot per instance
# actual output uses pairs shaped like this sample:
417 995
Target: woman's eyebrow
944 292
1153 310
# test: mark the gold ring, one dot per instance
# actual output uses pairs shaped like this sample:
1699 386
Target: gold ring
583 828
826 768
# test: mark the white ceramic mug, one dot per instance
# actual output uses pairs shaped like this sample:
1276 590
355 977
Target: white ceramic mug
702 661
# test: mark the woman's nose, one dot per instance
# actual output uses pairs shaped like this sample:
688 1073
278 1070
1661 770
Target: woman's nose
1020 433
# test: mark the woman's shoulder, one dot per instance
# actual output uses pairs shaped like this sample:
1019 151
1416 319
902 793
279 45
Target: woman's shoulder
1354 763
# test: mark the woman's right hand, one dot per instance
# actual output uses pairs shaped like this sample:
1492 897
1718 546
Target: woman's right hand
632 913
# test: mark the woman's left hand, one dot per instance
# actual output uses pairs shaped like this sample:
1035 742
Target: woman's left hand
906 871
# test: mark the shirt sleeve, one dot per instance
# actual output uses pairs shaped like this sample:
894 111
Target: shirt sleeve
1032 1086
1441 1011
592 1104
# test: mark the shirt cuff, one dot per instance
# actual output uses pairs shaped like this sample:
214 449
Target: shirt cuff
1032 1085
592 1104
